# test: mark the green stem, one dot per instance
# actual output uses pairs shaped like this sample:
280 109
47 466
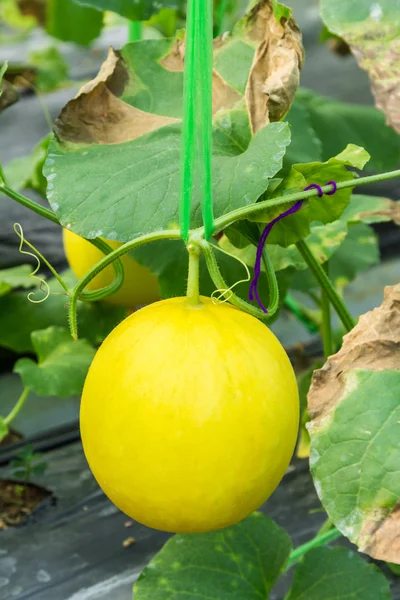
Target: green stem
220 284
219 15
326 318
28 203
319 540
192 294
300 312
273 287
245 211
325 283
135 31
171 234
114 286
326 526
19 404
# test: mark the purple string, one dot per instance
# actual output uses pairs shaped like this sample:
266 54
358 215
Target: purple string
253 290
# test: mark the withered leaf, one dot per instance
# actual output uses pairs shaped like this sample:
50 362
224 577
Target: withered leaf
354 406
275 72
372 30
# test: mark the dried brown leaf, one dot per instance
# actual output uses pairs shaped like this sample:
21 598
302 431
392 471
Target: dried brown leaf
275 73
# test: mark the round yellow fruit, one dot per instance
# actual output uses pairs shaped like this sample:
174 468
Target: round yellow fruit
140 285
189 415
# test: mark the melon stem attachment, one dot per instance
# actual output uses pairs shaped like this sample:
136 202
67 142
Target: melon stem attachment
192 293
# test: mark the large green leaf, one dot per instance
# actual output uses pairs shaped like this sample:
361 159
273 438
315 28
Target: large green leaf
355 456
337 123
326 209
113 169
371 209
337 574
67 21
62 363
136 10
306 146
372 29
238 563
19 317
136 184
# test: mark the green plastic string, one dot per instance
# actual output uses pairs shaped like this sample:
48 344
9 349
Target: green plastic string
196 159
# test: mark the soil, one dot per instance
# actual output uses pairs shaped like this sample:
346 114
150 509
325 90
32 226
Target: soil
12 437
18 501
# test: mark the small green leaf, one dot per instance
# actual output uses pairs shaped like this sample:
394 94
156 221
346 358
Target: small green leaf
281 11
19 317
241 562
136 10
337 573
16 277
52 70
297 226
3 429
26 172
40 468
70 22
370 209
62 363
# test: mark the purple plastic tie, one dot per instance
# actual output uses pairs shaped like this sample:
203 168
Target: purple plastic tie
253 290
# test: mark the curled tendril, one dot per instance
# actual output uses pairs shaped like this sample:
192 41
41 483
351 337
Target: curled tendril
227 294
43 285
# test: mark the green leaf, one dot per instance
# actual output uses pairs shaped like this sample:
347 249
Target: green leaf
337 123
19 317
62 363
142 178
297 226
52 70
16 277
40 468
136 10
306 146
337 573
355 454
239 563
70 22
372 29
3 70
3 429
371 209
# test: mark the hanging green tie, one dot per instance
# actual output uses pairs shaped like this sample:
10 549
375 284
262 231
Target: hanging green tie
197 117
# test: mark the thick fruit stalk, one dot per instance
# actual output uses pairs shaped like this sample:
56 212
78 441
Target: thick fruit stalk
140 285
189 415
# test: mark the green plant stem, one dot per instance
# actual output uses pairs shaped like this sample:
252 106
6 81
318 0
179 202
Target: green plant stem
301 313
326 318
246 211
219 15
193 294
220 284
325 283
170 234
28 203
325 527
273 287
114 286
319 540
135 31
19 404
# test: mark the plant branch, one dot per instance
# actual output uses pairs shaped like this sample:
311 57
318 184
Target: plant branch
325 283
28 203
171 234
319 540
326 318
192 294
245 211
19 404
